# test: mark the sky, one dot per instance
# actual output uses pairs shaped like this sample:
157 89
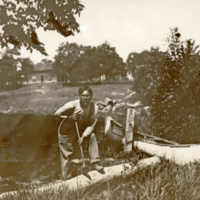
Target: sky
128 25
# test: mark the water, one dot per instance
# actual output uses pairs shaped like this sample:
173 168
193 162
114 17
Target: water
28 150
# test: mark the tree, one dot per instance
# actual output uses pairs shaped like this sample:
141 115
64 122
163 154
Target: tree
20 20
175 104
110 63
85 65
65 60
8 70
79 62
147 67
96 61
13 70
169 83
146 57
27 65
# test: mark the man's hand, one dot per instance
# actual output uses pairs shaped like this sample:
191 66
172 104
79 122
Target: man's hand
74 117
63 117
80 141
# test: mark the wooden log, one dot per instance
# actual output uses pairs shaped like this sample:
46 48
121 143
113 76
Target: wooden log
129 130
82 181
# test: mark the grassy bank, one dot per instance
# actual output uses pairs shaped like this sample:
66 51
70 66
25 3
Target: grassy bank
164 181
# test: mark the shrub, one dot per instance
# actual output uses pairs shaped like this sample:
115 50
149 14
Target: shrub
170 85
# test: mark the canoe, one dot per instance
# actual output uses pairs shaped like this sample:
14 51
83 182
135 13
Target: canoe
180 154
114 131
155 146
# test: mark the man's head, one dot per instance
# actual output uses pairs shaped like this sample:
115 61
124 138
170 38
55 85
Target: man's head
85 94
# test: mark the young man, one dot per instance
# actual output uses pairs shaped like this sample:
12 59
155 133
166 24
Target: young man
84 112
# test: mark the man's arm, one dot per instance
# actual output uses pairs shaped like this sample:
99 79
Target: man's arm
68 106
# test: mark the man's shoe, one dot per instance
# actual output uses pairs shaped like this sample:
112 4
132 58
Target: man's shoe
97 166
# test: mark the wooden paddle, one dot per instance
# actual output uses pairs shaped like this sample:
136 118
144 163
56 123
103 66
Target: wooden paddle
83 167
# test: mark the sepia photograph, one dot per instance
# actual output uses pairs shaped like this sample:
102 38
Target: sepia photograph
99 99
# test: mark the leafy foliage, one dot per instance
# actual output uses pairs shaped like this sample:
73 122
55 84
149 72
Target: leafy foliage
170 85
13 70
20 19
68 55
176 105
109 61
26 66
8 71
98 61
85 62
148 71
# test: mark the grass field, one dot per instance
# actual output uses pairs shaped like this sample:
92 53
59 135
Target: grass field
47 98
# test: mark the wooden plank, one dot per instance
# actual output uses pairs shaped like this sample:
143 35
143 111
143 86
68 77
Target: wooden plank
129 130
138 134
